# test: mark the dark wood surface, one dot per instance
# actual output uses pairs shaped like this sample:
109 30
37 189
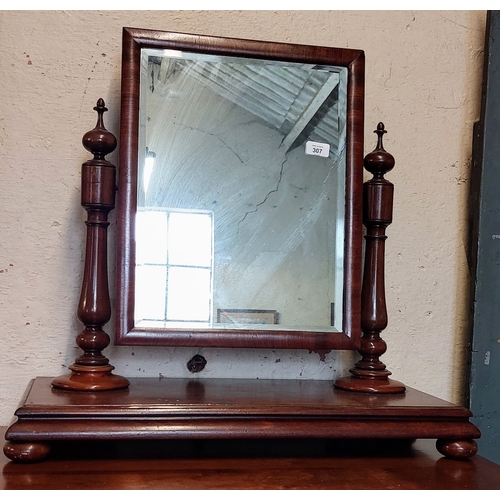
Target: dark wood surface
155 396
173 409
126 334
250 464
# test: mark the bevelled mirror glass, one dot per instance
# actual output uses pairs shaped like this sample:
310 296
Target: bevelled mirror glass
239 193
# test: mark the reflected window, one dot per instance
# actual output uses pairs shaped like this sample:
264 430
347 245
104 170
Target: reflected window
174 267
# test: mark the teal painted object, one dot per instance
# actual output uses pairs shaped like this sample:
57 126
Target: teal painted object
484 383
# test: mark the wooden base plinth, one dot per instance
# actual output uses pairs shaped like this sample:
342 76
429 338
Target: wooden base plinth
370 385
90 378
232 408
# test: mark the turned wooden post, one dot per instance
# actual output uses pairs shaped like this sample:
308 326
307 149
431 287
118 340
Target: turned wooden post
92 371
370 374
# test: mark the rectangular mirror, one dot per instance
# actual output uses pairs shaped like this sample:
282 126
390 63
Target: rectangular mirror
239 193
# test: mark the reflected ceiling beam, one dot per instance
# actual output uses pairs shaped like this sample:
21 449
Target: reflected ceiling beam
342 111
295 100
309 112
167 67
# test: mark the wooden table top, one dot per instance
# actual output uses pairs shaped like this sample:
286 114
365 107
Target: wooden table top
250 464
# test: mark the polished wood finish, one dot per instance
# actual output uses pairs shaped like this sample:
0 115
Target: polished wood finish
458 449
224 408
27 452
91 370
250 465
126 334
370 374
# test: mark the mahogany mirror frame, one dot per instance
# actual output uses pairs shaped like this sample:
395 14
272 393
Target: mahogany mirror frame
126 334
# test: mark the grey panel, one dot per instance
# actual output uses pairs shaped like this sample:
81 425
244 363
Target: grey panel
484 388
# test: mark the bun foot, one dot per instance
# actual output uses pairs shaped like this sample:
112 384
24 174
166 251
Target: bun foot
26 452
459 449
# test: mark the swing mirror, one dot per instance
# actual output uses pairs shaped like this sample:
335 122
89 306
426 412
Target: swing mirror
239 193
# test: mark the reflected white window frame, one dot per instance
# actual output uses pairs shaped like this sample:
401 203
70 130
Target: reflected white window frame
149 162
167 265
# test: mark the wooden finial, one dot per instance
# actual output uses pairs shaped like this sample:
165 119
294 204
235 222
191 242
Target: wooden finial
380 132
99 141
379 161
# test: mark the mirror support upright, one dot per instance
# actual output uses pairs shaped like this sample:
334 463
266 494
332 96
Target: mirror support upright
370 374
92 371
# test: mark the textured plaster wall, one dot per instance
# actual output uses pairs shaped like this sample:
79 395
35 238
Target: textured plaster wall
423 80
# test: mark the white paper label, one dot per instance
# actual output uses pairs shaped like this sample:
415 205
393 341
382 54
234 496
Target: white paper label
317 149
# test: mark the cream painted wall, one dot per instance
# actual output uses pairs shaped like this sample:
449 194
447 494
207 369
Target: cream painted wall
423 80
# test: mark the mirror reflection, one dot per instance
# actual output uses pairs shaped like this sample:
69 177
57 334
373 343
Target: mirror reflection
241 192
